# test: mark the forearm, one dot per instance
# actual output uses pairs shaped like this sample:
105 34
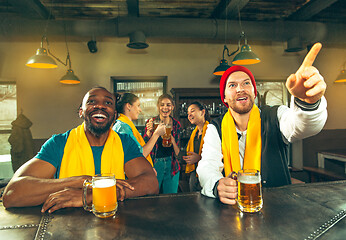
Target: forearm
31 191
297 123
175 148
210 166
150 144
144 184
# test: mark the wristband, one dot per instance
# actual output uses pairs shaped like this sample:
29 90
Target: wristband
306 106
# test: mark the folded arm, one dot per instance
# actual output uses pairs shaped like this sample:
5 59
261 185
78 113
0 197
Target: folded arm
33 183
141 177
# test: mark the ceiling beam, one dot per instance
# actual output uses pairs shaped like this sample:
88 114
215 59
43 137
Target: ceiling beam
228 9
31 9
310 9
132 8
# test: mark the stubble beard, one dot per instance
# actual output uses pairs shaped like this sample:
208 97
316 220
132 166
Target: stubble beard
242 109
98 130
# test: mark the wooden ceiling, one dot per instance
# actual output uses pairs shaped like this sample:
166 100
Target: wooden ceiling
326 11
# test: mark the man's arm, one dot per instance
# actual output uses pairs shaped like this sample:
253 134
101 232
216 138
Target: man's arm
33 183
299 122
141 177
210 166
308 112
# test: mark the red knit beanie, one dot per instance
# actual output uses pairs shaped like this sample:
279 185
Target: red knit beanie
228 72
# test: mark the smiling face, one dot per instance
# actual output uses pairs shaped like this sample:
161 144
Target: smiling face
135 109
165 107
239 93
98 111
195 115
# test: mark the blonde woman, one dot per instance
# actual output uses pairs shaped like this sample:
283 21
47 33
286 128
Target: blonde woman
164 158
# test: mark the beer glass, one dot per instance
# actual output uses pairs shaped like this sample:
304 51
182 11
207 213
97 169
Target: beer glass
249 190
166 138
156 123
104 195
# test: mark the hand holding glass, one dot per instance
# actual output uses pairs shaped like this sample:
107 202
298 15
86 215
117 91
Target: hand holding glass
104 195
166 138
249 190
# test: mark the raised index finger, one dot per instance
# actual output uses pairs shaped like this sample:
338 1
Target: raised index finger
311 56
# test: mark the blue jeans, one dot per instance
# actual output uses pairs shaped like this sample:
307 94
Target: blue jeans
163 168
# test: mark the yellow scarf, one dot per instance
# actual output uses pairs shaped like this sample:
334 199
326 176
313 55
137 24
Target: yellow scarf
190 148
230 145
135 132
78 157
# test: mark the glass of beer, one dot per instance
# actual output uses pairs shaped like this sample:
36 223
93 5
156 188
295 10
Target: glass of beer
156 123
166 138
104 195
249 190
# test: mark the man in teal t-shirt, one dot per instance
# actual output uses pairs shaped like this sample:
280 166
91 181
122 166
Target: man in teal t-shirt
36 181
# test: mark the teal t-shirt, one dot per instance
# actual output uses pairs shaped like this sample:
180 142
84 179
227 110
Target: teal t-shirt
52 151
121 127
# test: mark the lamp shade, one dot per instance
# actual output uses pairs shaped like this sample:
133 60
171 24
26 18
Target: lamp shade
41 60
246 56
70 78
137 40
341 77
219 70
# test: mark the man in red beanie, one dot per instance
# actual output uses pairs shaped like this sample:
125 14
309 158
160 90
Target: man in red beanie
248 137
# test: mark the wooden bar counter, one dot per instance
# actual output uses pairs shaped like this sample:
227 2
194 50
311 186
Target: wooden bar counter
289 212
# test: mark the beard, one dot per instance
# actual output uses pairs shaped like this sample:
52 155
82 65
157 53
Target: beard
96 129
242 109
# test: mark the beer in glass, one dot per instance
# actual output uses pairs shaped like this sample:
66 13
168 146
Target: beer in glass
156 123
166 138
249 190
104 195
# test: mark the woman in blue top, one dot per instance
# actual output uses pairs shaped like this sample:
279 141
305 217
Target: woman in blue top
128 108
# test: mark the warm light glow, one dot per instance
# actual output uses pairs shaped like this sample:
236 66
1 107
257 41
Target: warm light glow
70 78
219 70
219 73
246 61
341 77
70 81
246 56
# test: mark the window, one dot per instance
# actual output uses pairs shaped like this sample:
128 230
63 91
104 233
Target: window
8 113
148 89
272 93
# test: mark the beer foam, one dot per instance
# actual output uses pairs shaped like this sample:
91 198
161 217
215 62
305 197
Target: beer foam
104 183
249 179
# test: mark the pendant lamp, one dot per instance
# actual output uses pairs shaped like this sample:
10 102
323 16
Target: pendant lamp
246 56
341 77
41 58
219 70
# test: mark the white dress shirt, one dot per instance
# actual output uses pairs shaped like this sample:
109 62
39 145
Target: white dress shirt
295 124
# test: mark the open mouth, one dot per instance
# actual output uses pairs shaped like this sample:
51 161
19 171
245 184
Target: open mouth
99 117
242 99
